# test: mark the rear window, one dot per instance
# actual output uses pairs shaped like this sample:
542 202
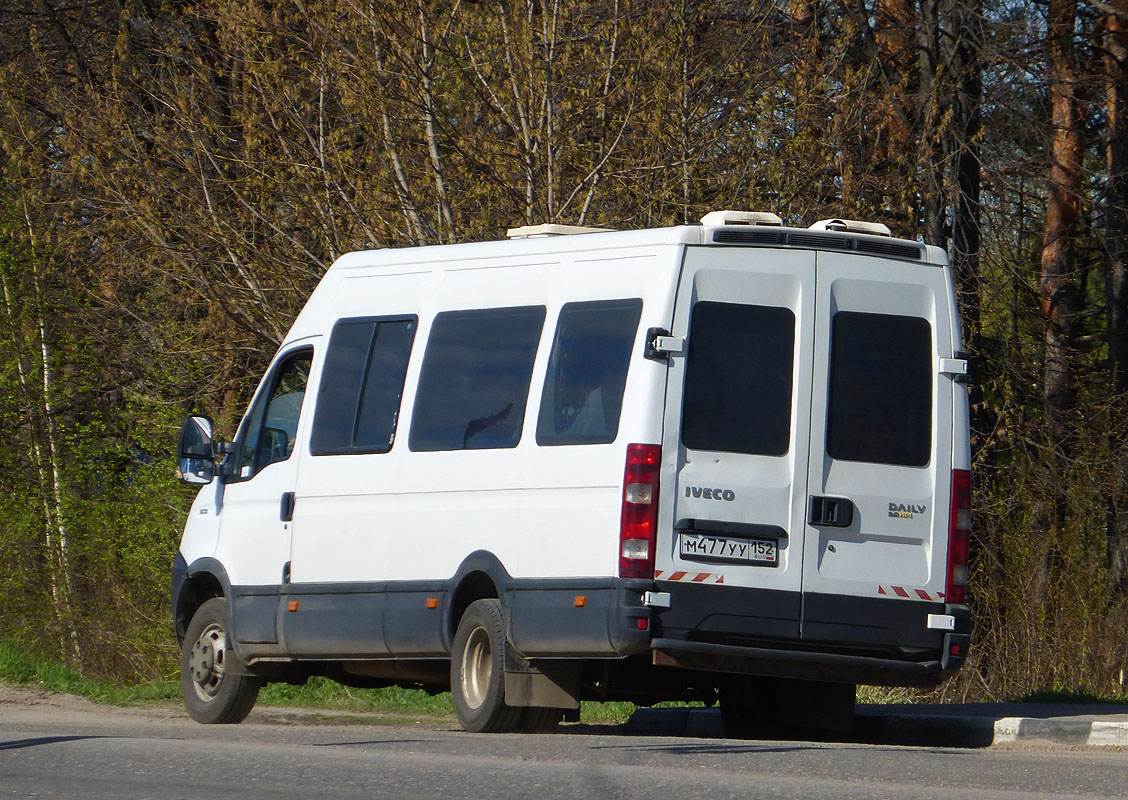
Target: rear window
880 406
361 386
738 378
474 384
583 388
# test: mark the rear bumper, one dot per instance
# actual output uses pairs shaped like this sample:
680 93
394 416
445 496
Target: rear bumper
871 640
832 667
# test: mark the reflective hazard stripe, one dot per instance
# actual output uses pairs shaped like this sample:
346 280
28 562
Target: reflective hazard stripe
689 577
901 591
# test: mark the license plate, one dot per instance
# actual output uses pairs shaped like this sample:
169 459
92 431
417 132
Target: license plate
729 549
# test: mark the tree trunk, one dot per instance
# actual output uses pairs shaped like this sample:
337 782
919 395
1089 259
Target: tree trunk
1116 209
1116 286
968 26
1058 284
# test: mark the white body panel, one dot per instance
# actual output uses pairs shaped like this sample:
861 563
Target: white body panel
542 511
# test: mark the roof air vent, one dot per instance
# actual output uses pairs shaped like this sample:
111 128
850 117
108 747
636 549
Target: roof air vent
741 218
851 226
549 229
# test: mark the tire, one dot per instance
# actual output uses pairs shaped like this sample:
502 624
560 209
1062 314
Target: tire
783 708
477 671
747 716
213 694
539 720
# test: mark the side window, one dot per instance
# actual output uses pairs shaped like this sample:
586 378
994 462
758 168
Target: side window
358 402
583 389
474 383
738 378
271 425
880 406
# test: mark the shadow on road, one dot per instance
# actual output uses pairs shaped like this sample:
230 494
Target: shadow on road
21 743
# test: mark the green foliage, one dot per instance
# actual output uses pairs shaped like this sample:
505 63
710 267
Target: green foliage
21 667
1076 696
174 181
324 693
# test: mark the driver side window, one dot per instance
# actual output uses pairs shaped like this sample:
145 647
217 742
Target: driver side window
271 425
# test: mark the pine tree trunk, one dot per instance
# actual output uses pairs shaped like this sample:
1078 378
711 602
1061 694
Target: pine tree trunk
1116 286
1116 209
1058 284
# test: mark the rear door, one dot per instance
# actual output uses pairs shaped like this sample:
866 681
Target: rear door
736 439
881 449
807 443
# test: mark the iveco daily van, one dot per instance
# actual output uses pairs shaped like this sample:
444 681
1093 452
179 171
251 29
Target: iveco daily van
726 462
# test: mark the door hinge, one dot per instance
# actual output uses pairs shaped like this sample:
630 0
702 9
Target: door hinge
660 345
956 367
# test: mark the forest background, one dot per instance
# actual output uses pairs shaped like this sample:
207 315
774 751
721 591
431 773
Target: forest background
175 176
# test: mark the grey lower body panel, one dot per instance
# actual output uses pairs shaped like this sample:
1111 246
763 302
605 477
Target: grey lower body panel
559 618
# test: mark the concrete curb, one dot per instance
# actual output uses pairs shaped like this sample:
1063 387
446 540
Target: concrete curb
932 726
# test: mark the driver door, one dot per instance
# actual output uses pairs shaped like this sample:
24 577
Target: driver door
257 498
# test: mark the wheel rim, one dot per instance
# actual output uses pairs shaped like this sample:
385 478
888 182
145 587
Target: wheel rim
206 662
477 667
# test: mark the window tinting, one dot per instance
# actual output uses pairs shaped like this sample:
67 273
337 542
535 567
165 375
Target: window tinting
738 379
880 407
383 389
474 383
583 389
271 425
361 386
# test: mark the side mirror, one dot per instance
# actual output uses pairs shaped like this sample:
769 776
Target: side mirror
196 454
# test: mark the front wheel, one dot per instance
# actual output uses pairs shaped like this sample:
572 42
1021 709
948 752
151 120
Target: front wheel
213 693
477 671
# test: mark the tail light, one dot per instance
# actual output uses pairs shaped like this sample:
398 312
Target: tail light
639 520
959 536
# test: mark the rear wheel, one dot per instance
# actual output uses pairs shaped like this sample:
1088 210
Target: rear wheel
750 714
213 692
776 708
477 671
539 720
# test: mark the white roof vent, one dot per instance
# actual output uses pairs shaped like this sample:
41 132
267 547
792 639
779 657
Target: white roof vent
549 229
741 218
852 226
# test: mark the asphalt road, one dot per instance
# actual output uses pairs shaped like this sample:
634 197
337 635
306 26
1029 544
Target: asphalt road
69 749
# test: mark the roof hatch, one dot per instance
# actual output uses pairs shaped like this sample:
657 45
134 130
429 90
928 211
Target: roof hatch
549 229
851 226
741 218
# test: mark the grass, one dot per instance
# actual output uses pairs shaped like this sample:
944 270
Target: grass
326 694
21 668
1078 696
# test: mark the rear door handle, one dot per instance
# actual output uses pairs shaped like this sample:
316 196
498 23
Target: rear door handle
286 507
830 512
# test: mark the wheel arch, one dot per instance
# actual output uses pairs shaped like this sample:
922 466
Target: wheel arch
204 579
481 575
